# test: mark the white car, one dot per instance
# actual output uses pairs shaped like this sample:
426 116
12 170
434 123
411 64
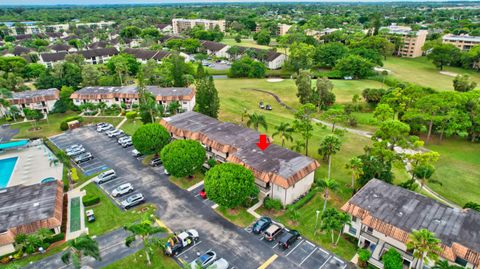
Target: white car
115 133
105 176
166 172
122 190
104 127
75 151
136 153
124 139
73 147
219 264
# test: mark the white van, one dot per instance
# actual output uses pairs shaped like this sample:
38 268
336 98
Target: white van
105 176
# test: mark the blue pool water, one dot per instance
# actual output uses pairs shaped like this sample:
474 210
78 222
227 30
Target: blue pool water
13 144
48 179
6 170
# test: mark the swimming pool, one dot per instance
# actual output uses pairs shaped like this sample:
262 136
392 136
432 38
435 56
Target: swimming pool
6 170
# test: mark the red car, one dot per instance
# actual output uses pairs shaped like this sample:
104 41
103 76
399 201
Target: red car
203 194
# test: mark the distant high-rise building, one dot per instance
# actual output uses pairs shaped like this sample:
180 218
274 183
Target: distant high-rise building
413 41
180 25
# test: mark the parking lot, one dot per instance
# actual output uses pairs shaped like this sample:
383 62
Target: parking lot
303 253
196 194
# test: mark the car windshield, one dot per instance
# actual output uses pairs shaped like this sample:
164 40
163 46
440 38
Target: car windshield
203 258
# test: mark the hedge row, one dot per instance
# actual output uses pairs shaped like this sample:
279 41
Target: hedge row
89 200
64 123
54 238
300 203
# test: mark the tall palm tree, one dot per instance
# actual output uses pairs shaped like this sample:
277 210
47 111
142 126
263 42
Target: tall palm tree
329 145
355 165
257 120
327 185
284 130
144 230
102 106
81 246
299 146
425 246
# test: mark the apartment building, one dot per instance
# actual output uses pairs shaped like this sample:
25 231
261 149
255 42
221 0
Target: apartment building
279 173
318 34
413 41
463 42
129 95
180 25
143 55
282 29
92 56
384 215
43 100
215 48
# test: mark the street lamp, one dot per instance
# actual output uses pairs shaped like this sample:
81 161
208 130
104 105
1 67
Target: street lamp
316 222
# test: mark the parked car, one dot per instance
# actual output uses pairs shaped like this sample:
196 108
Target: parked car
75 151
204 260
105 176
133 200
136 153
127 144
122 190
84 157
101 124
203 194
90 215
268 107
115 133
261 225
261 105
73 147
272 232
124 139
219 264
155 162
104 128
179 242
288 239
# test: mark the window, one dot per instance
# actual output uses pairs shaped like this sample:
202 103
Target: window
184 103
461 261
352 230
370 230
354 219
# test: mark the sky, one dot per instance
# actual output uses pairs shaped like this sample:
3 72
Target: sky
99 2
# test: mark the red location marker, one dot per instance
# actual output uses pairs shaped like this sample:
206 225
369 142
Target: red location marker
263 143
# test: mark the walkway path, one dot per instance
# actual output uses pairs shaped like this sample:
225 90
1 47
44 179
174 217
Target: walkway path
361 133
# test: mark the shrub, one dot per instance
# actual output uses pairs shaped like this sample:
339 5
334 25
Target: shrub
392 259
89 200
63 126
363 256
211 162
5 260
18 255
55 238
131 115
270 203
74 175
300 203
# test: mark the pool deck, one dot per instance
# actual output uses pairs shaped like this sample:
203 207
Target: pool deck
32 165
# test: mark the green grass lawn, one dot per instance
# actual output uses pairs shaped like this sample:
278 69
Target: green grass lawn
139 261
238 216
75 214
346 89
34 258
108 216
186 182
421 71
306 226
458 170
130 126
245 43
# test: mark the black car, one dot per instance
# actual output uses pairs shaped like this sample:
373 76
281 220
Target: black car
261 225
268 107
288 239
156 162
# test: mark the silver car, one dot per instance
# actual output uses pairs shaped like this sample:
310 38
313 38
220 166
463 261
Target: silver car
105 176
204 260
122 190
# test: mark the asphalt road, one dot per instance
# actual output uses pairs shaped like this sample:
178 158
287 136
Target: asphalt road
180 209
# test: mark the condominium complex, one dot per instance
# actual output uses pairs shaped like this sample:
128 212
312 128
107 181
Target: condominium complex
413 41
463 42
283 29
279 173
181 25
384 216
43 100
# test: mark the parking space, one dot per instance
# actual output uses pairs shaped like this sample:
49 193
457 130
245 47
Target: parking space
196 194
303 253
193 252
111 185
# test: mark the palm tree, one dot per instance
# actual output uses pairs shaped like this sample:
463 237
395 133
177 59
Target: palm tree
424 174
284 130
443 264
101 106
327 185
355 164
299 146
81 246
425 246
334 220
329 145
256 120
244 114
144 229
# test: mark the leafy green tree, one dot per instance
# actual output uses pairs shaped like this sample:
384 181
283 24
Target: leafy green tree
90 75
284 130
303 123
392 259
355 166
262 37
150 138
183 157
327 185
230 185
327 55
424 173
255 120
383 112
379 44
79 247
443 264
238 38
300 57
354 66
191 45
473 206
33 114
247 67
178 70
334 220
150 33
324 95
463 83
396 133
363 257
334 116
425 246
145 230
34 70
443 54
207 101
329 145
130 32
304 87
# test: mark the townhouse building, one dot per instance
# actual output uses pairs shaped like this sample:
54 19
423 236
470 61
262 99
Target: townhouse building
463 42
92 56
215 48
180 25
43 100
279 173
129 95
143 55
384 215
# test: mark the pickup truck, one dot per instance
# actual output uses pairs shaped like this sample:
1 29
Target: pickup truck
178 242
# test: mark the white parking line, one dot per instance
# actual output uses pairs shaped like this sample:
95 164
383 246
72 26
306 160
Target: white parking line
325 262
294 248
311 244
214 206
195 186
308 256
324 252
275 245
178 255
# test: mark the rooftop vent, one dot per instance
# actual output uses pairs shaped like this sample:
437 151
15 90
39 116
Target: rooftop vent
400 214
36 204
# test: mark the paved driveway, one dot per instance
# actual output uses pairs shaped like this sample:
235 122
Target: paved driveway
179 209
